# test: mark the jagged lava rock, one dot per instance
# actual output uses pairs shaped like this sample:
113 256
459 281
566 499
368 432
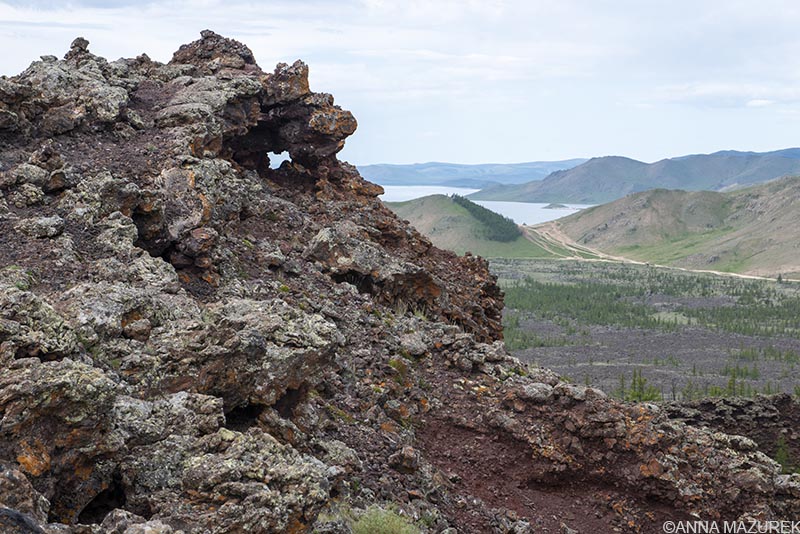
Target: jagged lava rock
192 341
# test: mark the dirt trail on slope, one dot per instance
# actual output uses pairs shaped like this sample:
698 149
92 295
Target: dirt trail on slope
551 232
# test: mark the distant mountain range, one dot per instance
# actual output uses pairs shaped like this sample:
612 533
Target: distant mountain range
752 231
605 179
456 175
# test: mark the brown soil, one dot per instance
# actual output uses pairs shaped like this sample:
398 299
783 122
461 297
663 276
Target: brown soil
493 476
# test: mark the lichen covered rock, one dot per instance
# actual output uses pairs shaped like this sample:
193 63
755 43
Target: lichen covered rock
195 342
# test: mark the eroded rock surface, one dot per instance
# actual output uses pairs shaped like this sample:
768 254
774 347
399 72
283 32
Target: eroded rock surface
192 341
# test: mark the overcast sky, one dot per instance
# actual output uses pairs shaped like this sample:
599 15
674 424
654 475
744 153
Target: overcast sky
475 81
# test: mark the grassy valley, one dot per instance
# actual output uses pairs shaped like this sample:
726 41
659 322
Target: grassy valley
750 231
646 333
639 331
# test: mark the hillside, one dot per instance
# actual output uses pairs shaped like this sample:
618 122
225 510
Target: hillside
192 341
456 175
606 179
452 227
749 231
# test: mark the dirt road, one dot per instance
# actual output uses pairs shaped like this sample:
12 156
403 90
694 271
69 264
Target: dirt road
549 236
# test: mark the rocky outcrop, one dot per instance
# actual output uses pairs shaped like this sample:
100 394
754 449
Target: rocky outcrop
767 420
193 341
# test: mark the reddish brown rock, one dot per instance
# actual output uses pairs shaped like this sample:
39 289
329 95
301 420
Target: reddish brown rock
193 341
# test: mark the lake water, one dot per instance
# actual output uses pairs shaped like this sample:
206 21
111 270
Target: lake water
519 212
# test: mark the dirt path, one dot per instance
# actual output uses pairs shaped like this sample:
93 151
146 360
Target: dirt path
551 233
549 236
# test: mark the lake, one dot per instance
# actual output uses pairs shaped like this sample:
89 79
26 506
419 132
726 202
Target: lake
519 212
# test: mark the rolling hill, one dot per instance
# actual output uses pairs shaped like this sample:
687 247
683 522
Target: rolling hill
456 175
748 231
608 178
451 226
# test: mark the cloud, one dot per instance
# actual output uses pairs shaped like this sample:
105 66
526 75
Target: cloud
759 103
75 4
729 94
19 24
471 67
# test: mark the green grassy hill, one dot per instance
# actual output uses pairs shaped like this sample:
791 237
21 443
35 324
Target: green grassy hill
609 178
451 226
749 231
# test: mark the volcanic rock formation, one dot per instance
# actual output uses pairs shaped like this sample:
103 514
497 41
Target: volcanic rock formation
193 341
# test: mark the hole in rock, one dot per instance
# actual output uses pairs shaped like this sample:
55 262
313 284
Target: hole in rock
154 247
140 507
152 235
106 501
363 282
276 159
34 351
289 401
251 150
243 417
143 510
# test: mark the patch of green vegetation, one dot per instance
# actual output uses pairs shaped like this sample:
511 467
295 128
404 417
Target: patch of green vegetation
596 302
381 521
616 298
421 313
736 263
638 390
735 387
675 248
766 354
736 371
402 370
672 317
670 360
517 337
340 414
21 278
586 303
519 248
783 457
374 520
758 312
496 227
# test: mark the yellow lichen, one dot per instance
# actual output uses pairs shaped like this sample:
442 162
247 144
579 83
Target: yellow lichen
33 459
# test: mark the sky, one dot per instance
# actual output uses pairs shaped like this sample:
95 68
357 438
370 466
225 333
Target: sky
476 81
